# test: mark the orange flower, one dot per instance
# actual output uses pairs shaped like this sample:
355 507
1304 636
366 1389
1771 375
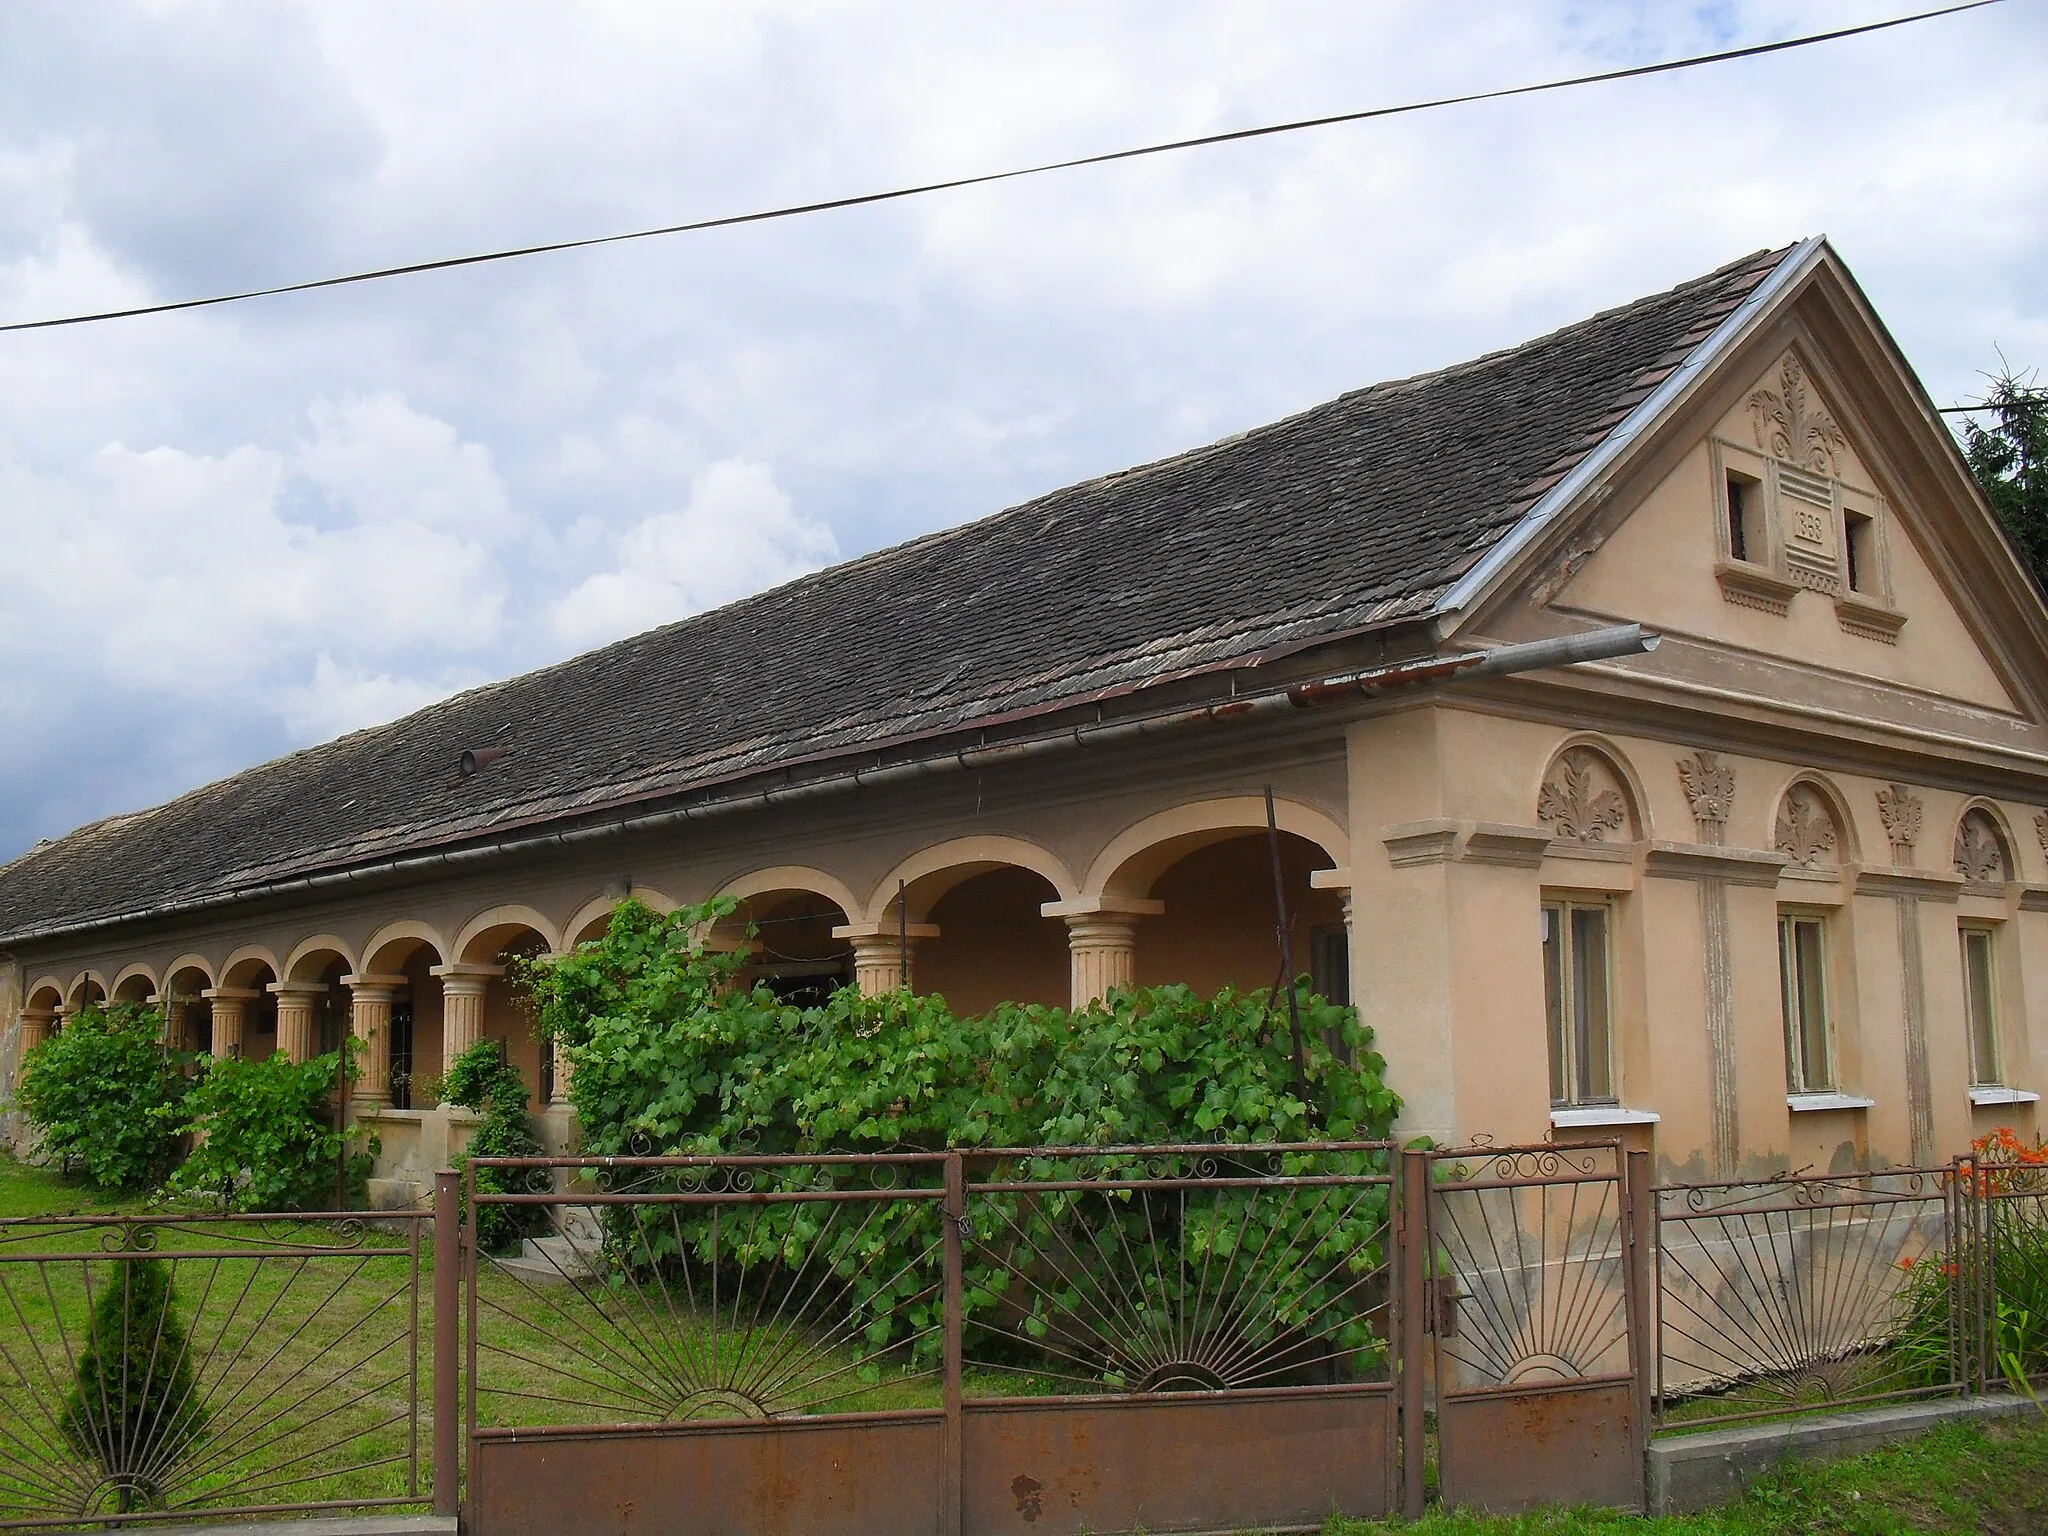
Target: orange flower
1907 1262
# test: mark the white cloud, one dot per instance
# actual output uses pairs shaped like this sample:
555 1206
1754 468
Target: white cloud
333 506
737 534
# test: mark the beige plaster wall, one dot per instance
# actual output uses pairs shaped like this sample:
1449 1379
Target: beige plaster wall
1659 567
1451 864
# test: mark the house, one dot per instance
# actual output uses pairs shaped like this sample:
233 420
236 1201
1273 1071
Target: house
1773 895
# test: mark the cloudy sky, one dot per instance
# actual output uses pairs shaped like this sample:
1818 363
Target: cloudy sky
231 533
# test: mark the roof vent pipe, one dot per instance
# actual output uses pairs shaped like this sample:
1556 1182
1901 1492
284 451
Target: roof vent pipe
475 760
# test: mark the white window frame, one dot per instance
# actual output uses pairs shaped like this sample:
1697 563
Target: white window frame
1561 1043
1980 1076
1801 1078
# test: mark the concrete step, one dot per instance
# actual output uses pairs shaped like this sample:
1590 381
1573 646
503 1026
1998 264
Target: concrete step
553 1260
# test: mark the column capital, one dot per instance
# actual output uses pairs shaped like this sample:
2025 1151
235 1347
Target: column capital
298 990
41 1015
874 935
370 983
464 979
1103 906
230 994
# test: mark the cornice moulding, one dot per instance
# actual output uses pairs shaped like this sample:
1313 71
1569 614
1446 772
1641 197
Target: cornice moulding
1712 861
1924 884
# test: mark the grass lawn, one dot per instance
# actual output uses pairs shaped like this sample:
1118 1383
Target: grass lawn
26 1190
1989 1480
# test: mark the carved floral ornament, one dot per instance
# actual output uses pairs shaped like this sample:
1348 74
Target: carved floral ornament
1901 811
1581 800
1806 830
1980 849
1792 425
1710 787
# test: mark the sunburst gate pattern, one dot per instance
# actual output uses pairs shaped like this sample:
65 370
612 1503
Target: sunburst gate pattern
207 1364
752 1288
1806 1292
1529 1283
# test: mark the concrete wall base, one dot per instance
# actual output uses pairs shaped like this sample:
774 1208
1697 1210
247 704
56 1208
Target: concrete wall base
1692 1472
347 1525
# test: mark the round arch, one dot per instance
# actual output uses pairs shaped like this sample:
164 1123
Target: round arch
1968 850
245 966
1635 803
311 958
46 992
134 983
186 965
781 878
484 935
83 985
931 872
591 918
390 945
1848 847
1138 855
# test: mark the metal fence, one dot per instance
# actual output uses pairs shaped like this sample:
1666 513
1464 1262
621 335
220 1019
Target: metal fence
1053 1339
161 1368
1173 1338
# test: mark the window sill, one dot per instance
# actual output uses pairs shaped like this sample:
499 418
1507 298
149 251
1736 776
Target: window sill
1995 1093
1587 1116
1807 1103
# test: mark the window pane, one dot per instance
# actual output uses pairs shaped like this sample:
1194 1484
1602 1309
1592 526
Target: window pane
1981 1002
1788 999
1813 1006
1553 999
1595 1072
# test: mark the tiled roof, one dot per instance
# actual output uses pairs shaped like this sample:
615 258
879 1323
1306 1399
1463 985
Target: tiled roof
1358 512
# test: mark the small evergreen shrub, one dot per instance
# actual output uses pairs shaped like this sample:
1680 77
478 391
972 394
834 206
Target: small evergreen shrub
134 1407
481 1079
106 1097
269 1142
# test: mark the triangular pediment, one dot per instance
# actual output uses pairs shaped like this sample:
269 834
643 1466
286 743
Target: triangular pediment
1792 517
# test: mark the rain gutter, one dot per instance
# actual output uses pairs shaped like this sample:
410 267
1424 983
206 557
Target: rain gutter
1593 645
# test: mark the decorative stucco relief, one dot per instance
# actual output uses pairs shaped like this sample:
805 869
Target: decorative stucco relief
1980 850
2041 831
1710 787
1806 830
1793 427
1901 811
1582 800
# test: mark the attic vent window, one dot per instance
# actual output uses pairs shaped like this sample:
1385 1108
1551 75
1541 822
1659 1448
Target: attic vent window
1745 533
475 760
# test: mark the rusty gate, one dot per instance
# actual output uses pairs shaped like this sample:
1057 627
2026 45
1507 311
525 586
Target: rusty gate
1173 1338
1533 1273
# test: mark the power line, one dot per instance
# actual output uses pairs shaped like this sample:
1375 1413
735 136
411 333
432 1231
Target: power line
828 205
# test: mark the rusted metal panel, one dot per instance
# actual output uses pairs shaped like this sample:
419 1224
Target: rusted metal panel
1508 1451
842 1474
1201 1463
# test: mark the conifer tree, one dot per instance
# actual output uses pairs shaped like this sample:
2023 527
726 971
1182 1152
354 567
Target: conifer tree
134 1407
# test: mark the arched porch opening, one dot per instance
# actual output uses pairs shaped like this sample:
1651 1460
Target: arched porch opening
395 1011
136 984
595 915
483 999
88 989
793 949
1220 923
244 1007
39 1010
993 944
188 1016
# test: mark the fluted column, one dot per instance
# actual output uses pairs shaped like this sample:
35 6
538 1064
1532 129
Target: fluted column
36 1024
1102 942
230 1015
884 954
463 989
1102 953
298 1006
177 1007
559 1071
369 1021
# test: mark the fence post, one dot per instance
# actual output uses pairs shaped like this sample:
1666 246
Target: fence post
950 1468
1642 1283
1411 1243
447 1343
